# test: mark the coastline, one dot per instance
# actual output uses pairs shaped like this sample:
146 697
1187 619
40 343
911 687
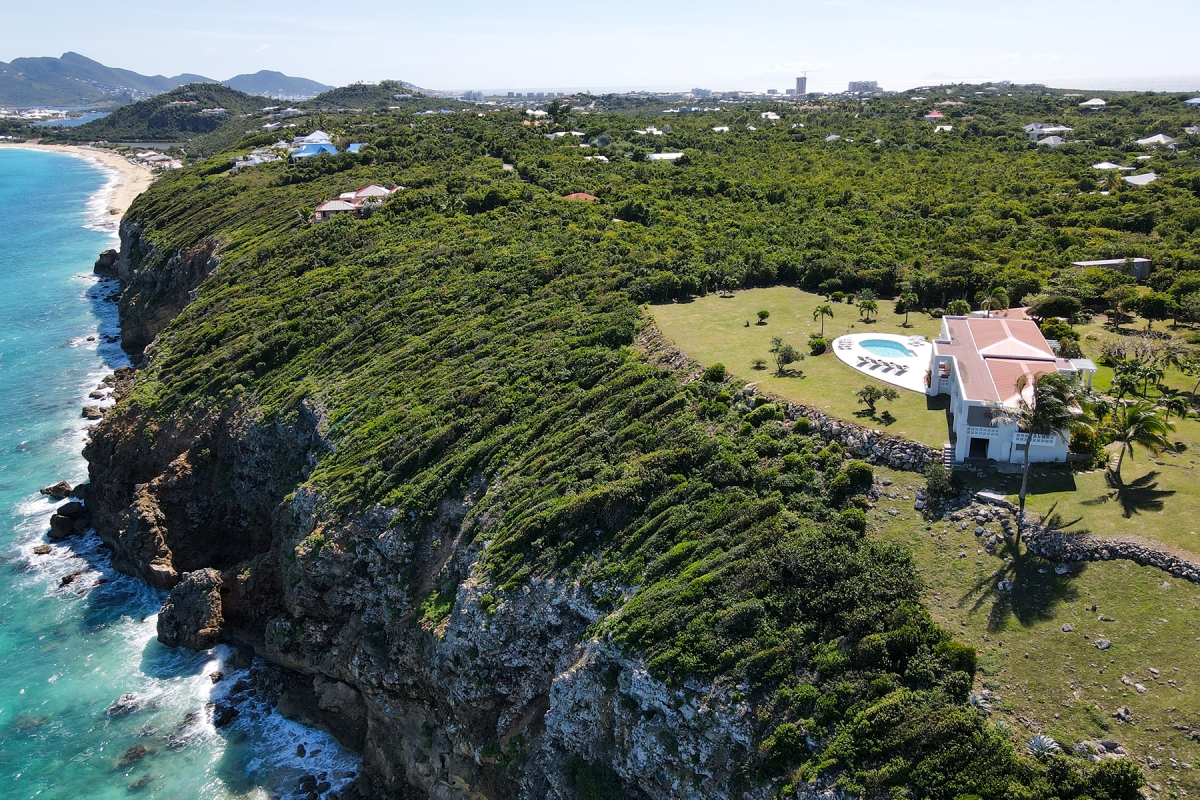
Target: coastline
130 181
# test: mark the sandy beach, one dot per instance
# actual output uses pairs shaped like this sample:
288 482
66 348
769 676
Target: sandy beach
132 179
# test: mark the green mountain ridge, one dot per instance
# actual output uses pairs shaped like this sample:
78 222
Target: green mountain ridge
75 80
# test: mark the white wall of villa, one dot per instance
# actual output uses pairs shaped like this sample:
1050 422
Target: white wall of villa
978 363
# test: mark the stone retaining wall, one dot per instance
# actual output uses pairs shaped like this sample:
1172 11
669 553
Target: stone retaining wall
1083 546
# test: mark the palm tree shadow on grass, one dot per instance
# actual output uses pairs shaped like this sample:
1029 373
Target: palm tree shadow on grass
1134 497
1036 590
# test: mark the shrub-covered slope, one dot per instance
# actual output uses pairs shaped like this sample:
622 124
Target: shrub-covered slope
409 431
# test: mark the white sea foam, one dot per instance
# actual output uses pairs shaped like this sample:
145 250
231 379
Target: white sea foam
98 218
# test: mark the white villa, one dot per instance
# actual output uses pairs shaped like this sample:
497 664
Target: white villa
979 363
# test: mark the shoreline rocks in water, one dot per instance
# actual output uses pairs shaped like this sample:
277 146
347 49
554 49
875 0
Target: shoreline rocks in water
106 264
59 491
191 617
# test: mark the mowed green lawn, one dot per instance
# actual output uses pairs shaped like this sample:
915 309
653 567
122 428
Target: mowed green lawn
713 330
1056 680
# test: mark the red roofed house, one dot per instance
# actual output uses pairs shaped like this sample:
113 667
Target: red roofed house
935 115
979 362
581 196
332 208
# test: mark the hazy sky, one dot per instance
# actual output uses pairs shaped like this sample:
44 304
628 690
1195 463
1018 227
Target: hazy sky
524 44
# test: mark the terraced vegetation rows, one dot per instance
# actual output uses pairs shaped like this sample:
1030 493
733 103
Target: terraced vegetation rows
480 325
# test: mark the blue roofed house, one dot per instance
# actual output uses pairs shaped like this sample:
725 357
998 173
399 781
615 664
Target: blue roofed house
310 150
354 148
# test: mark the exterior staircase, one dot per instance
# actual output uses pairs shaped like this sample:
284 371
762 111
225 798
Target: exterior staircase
948 455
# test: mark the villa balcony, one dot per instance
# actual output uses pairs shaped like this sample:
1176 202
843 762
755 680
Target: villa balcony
1038 439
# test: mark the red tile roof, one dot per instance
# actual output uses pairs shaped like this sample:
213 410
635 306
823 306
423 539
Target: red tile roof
991 354
581 196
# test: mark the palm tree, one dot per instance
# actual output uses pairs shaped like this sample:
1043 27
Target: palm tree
959 308
868 307
1049 414
820 313
909 300
1177 403
1138 424
1150 374
996 299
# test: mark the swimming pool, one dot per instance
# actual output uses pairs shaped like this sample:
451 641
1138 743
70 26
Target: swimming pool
885 348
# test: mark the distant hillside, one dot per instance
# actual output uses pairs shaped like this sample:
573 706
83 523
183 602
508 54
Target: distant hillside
362 95
276 84
74 80
177 116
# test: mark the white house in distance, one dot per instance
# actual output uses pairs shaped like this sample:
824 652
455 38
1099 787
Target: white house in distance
1155 140
1095 103
979 363
1137 267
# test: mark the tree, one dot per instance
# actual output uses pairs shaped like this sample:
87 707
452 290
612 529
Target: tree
1178 403
868 307
1156 306
1189 307
996 300
785 355
776 343
1120 297
1048 306
871 394
959 308
1047 413
906 303
762 316
820 313
1138 424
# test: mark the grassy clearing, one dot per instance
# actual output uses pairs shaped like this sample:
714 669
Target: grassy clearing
1055 681
713 329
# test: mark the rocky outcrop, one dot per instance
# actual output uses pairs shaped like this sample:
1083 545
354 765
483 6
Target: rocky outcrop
191 617
106 264
155 286
59 491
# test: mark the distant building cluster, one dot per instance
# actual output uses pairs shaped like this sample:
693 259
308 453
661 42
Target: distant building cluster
158 161
863 87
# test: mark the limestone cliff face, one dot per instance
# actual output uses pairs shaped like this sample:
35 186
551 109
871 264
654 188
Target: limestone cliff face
398 642
155 286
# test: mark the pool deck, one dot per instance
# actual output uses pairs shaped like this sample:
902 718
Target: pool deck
906 372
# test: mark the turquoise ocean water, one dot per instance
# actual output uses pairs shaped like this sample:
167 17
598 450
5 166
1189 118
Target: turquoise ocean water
69 650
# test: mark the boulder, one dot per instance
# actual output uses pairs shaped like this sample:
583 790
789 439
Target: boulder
106 264
59 491
80 492
61 527
191 617
42 550
93 412
72 510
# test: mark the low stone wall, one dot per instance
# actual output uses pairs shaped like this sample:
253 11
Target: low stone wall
1075 546
868 444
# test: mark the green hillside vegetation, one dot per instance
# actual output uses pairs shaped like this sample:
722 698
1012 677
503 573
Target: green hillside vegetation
480 325
157 120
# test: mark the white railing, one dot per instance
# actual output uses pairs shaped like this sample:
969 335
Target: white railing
1038 439
983 433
